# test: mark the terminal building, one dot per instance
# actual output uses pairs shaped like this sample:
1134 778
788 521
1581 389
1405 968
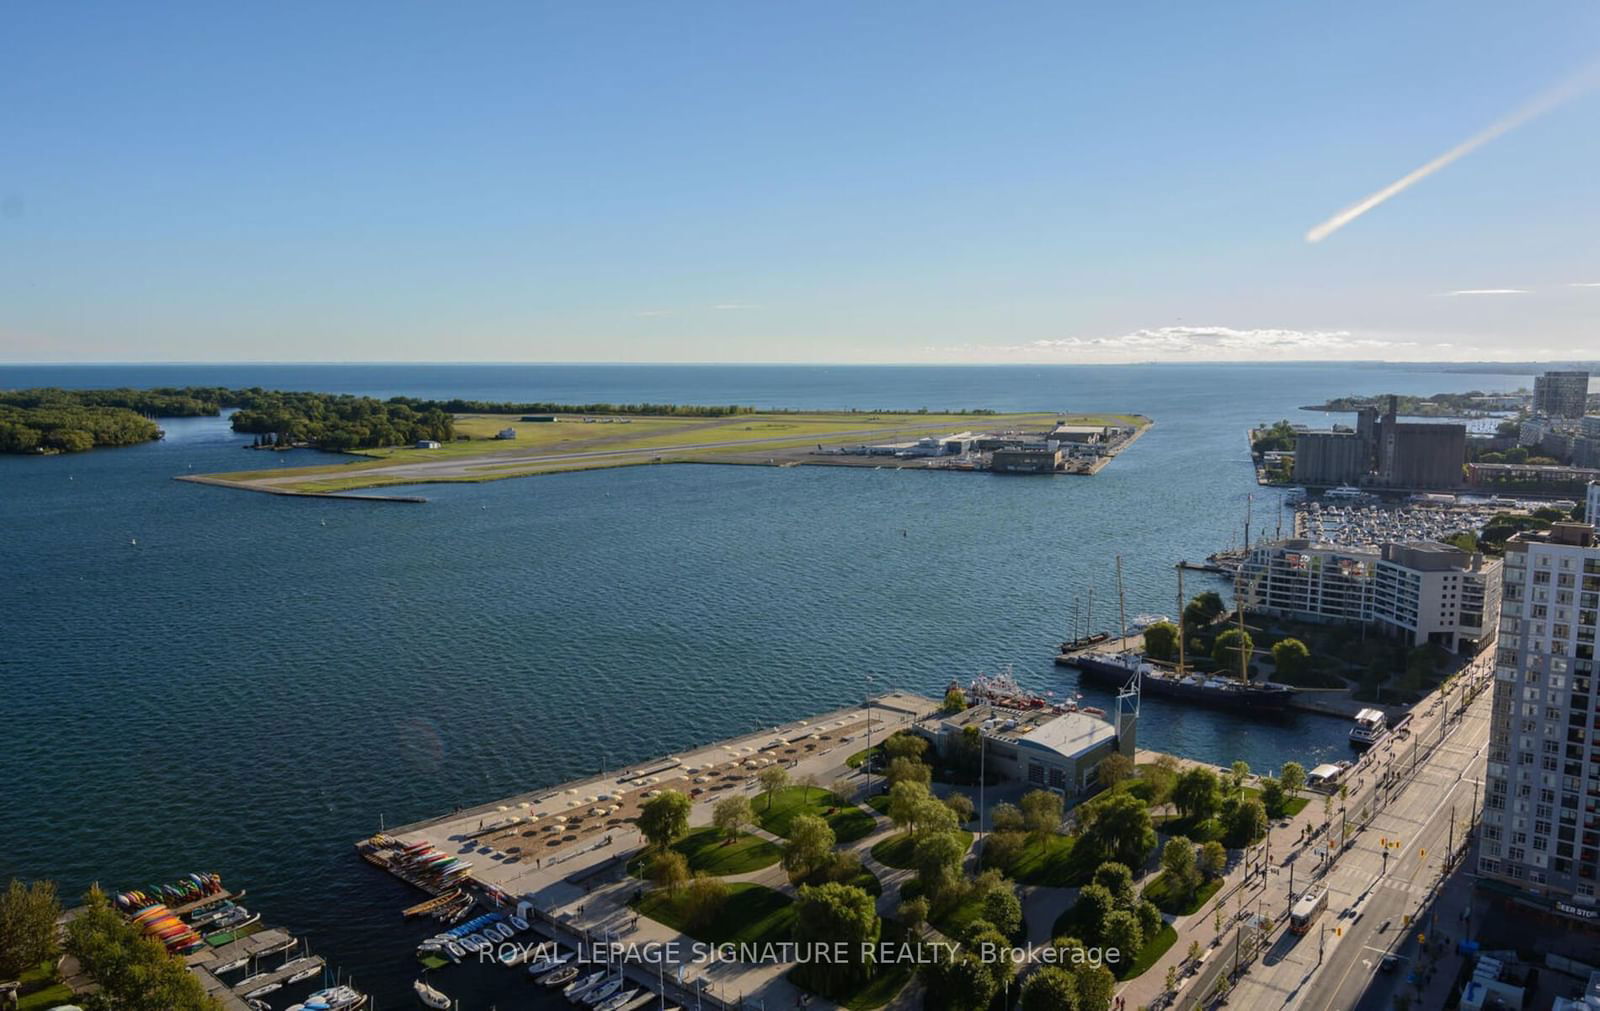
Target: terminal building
1420 592
1540 834
1383 452
1038 745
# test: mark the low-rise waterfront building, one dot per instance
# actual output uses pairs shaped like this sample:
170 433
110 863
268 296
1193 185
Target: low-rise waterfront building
1041 748
427 444
1027 459
1420 592
1540 835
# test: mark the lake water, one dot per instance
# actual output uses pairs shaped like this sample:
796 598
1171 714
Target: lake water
257 680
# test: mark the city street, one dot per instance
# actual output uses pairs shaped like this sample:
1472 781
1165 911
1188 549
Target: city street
1419 790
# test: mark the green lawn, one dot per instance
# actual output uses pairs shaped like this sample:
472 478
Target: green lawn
753 914
859 759
1176 903
39 991
896 850
1153 949
879 803
849 822
1197 831
705 850
1055 861
875 992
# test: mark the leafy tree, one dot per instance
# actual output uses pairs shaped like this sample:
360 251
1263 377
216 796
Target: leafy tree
664 818
1002 908
831 913
668 869
732 815
1096 985
955 700
961 806
28 916
1120 828
1179 866
1149 917
1225 652
937 858
981 935
1237 775
1118 880
1113 769
772 779
935 815
1213 859
1244 821
809 782
913 913
1095 903
843 790
1161 641
967 751
134 972
1041 812
704 899
810 841
1203 609
1291 658
1293 778
908 770
1122 932
960 983
904 745
1273 795
1050 988
843 866
1002 849
906 801
1197 793
1007 818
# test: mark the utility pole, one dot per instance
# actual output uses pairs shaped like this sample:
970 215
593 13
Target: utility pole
1322 942
869 735
1450 847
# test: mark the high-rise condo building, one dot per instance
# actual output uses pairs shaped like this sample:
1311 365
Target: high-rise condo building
1561 394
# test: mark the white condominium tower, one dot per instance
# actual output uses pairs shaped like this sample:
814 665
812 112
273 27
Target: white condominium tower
1541 817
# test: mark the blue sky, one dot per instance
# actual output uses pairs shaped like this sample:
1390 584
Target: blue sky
792 182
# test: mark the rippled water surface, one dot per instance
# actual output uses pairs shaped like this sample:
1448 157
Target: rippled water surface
198 678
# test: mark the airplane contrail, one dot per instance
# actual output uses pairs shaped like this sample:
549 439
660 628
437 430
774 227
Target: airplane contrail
1562 93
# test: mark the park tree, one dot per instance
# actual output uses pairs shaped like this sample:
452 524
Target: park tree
1293 778
704 899
1161 641
1213 859
961 806
1118 880
908 770
1225 652
980 936
904 745
1149 917
664 818
1001 850
810 842
1096 985
1197 794
1007 818
134 973
955 700
28 916
809 782
1002 908
1122 932
833 913
843 790
1120 828
1113 769
772 779
913 913
1238 773
1179 865
937 859
1095 903
966 752
668 869
1245 821
1273 796
1291 658
733 815
1051 988
1041 812
934 815
960 983
906 801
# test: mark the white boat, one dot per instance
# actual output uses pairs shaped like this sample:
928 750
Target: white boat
238 963
548 963
474 942
429 996
338 998
304 974
503 931
273 949
513 954
1370 727
601 992
562 975
613 1003
519 924
574 990
262 991
254 978
454 950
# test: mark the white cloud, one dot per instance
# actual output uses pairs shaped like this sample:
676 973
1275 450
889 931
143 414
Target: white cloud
1204 343
1488 291
1584 284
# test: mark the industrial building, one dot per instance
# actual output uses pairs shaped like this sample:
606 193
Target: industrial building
1030 459
1419 592
1561 394
1540 835
1383 452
